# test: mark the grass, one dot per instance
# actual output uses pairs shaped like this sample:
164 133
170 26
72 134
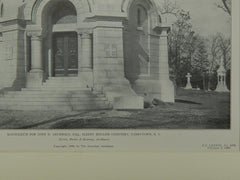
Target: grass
192 110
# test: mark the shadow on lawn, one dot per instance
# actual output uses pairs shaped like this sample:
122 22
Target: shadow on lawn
51 121
186 102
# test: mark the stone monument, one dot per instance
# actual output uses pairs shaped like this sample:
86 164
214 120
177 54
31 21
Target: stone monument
83 50
221 86
189 85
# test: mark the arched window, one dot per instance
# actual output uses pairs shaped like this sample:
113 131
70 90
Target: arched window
159 19
139 17
1 10
142 16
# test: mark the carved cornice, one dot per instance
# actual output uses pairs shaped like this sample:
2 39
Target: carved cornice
162 30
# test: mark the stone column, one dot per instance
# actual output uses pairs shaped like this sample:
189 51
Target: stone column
36 54
35 76
85 57
166 85
86 53
163 58
79 52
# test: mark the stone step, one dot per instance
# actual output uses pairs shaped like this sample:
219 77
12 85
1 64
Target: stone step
53 103
46 88
54 108
51 95
64 78
63 93
64 82
66 86
36 98
59 91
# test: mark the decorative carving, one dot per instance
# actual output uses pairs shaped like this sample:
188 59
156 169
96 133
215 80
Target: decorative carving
34 31
111 50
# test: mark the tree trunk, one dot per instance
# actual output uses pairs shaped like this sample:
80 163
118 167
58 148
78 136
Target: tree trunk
204 82
209 82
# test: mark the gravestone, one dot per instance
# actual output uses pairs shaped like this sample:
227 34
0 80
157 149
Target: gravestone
189 85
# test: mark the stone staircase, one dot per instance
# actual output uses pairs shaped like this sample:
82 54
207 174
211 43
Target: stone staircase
57 93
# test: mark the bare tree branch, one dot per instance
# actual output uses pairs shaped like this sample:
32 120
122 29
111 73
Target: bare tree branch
169 7
226 5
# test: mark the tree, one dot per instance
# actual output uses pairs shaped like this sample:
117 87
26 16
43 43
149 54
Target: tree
179 42
224 45
200 63
226 5
219 47
214 56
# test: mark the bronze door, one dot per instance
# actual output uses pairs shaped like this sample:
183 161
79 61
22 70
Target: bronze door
65 46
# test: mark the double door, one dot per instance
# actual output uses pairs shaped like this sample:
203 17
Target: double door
65 54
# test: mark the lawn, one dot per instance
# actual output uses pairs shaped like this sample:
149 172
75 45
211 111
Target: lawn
192 110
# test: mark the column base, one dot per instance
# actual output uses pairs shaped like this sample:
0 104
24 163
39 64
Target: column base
86 78
162 90
34 78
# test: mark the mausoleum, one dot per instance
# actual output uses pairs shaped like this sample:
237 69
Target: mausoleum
82 54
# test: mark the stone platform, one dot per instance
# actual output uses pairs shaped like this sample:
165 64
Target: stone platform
56 94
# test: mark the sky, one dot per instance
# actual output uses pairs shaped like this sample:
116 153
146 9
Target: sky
207 19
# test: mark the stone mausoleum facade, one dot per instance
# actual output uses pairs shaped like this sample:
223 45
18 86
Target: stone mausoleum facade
115 49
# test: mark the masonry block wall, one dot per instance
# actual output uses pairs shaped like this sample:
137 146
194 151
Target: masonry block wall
12 60
108 56
146 53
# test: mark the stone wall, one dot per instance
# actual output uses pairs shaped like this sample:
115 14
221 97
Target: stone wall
109 76
12 59
108 55
146 53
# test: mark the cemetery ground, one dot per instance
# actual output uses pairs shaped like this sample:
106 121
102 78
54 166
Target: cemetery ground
192 110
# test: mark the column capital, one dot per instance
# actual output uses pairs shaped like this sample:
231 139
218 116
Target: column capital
86 36
85 31
35 32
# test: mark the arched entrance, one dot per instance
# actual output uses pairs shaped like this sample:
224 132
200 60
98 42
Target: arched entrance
60 43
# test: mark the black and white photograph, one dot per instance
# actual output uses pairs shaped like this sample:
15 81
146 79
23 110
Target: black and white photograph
134 66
